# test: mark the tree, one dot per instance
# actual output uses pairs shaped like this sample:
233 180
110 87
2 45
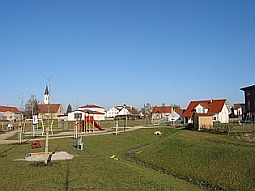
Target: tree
146 109
69 108
31 107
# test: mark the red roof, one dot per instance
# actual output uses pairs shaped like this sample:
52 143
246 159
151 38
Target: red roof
237 106
162 109
90 106
213 106
180 111
8 108
51 108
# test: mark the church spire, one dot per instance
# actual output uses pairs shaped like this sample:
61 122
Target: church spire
46 90
46 96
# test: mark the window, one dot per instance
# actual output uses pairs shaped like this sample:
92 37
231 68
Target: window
77 115
248 105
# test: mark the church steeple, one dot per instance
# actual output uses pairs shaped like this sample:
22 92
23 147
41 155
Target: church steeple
46 96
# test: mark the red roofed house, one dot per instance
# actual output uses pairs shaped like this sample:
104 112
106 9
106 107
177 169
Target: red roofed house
237 109
98 113
8 113
50 111
47 110
160 114
176 116
217 109
128 111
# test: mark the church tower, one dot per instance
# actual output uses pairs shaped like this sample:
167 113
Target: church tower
46 96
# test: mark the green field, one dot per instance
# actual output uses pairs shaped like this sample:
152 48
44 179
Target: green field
176 160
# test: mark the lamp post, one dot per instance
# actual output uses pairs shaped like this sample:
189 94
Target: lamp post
125 117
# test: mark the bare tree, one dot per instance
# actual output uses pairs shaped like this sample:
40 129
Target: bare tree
31 107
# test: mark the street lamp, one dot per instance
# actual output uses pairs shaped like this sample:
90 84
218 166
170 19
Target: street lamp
125 117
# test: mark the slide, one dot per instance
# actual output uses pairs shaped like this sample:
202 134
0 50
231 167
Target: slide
98 126
91 119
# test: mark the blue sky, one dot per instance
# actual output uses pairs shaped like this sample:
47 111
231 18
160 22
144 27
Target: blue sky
126 52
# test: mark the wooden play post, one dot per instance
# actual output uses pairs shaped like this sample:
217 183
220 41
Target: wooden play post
20 134
76 129
46 145
117 127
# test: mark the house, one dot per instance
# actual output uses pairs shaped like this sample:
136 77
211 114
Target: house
50 111
98 113
218 109
175 117
161 112
129 111
237 109
113 112
249 106
9 113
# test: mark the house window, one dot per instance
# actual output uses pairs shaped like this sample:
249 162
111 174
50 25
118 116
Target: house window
77 115
248 105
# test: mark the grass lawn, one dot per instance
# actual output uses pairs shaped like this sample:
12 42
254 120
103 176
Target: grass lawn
212 160
90 169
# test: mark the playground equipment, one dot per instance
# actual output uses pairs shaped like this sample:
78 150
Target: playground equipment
29 122
43 128
249 119
78 144
35 144
86 125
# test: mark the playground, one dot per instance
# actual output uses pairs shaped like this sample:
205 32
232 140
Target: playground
139 158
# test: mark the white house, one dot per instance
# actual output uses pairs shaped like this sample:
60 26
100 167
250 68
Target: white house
219 108
175 117
10 113
97 112
113 112
237 108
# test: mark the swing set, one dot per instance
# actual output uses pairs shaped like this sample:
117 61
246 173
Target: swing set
248 120
29 122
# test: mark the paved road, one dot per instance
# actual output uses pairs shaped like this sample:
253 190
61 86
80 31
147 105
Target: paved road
62 135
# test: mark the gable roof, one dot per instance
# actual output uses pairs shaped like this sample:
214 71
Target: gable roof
90 106
237 106
9 108
179 111
213 106
51 108
162 109
132 110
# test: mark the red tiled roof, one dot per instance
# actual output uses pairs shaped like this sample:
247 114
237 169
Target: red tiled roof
213 106
180 111
51 108
90 106
8 108
162 109
132 110
237 106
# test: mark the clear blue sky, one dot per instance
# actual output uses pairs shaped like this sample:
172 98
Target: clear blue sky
126 52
